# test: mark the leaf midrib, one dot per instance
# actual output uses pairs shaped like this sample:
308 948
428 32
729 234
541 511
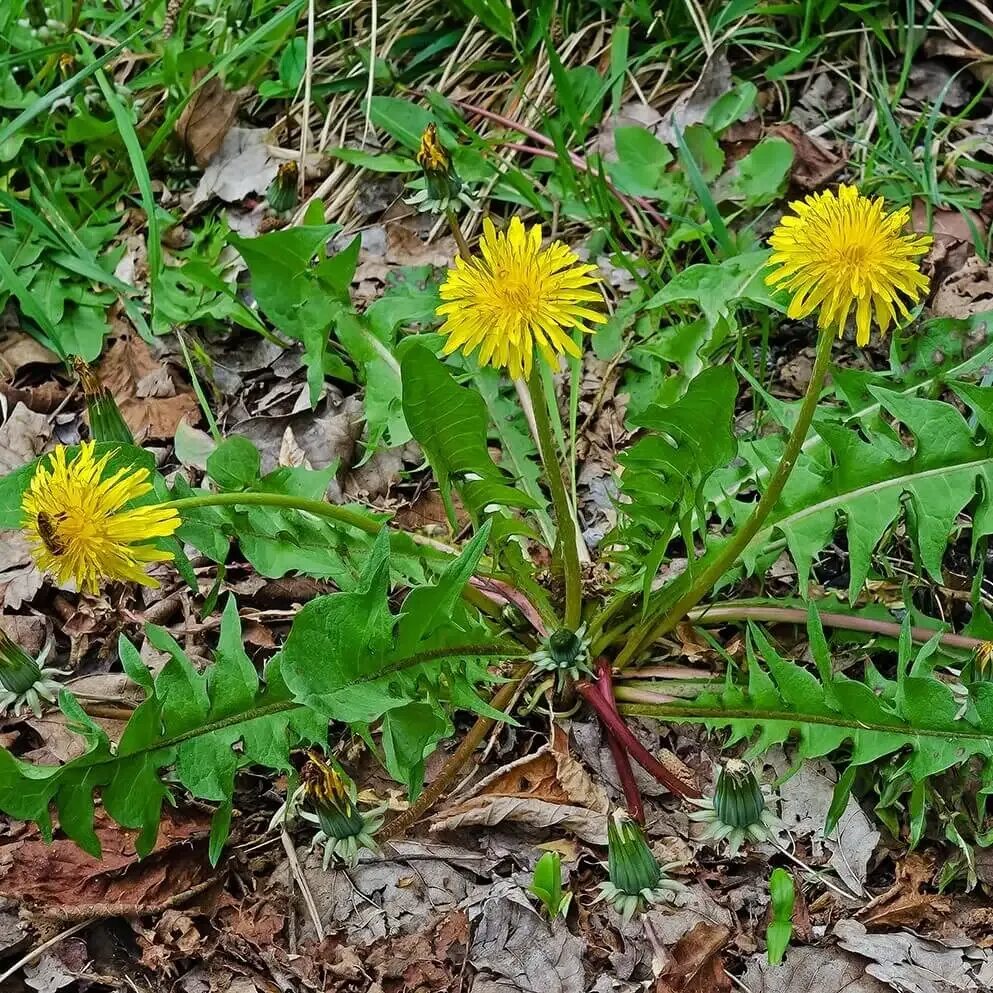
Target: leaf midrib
665 711
839 500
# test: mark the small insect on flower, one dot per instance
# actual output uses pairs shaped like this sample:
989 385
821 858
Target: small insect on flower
23 681
344 829
739 808
636 879
842 250
80 527
517 295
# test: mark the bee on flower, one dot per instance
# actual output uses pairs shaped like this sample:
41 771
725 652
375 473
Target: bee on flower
81 527
515 296
839 251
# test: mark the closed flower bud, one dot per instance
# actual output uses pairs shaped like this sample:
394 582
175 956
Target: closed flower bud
636 879
107 424
738 810
440 190
565 653
23 681
344 829
282 192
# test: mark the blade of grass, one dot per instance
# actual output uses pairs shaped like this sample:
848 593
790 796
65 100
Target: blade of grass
699 184
41 106
140 169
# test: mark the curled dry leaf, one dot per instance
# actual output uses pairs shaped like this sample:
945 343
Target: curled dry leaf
207 118
965 292
548 789
695 962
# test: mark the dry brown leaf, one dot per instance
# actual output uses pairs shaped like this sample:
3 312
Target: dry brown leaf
61 875
695 962
966 292
544 790
18 349
905 904
152 404
814 162
207 118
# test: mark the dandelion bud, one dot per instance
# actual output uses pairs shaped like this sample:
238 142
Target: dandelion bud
635 877
738 798
107 424
344 829
282 191
440 190
739 809
564 652
23 680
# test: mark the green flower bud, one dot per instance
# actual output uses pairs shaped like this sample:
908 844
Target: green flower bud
630 863
107 424
18 671
325 789
23 681
738 799
282 193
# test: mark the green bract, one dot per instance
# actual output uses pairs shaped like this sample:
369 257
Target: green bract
635 879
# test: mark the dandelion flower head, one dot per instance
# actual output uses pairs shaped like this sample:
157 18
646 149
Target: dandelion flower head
842 250
517 295
80 528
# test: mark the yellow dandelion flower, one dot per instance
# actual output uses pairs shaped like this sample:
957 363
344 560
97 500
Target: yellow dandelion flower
516 296
839 250
78 527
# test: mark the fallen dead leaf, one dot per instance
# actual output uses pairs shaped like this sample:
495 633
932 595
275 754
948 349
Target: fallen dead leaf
547 789
905 904
23 435
906 961
241 166
61 875
207 118
965 292
825 970
513 943
695 962
152 404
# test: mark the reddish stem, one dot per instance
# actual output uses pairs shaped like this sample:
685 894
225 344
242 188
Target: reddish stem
632 795
614 724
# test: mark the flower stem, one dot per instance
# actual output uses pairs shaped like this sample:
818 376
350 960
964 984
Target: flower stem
653 629
615 725
567 531
456 227
632 795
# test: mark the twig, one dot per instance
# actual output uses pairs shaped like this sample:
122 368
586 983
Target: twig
43 947
301 880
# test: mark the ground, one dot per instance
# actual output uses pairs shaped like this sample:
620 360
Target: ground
147 152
